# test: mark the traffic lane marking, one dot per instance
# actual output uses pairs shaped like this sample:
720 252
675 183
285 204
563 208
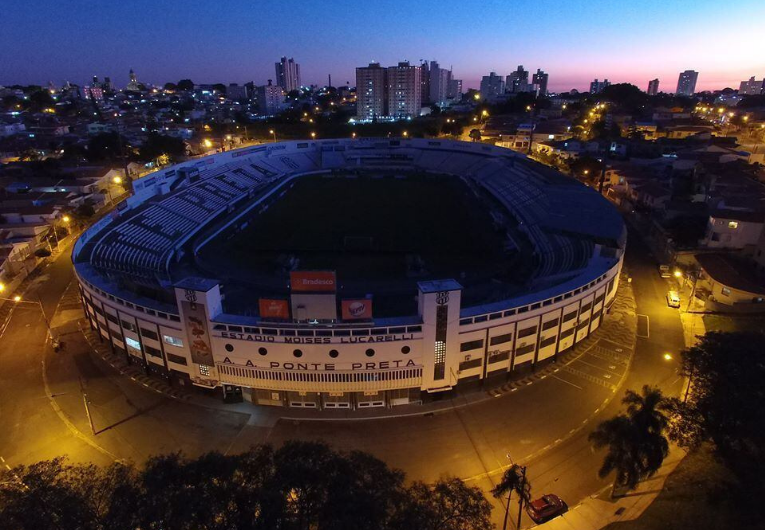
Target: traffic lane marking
600 367
567 382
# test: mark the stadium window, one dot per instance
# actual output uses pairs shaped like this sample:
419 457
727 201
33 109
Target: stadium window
547 342
550 324
287 332
466 321
501 339
370 352
177 359
569 316
262 351
527 332
586 307
397 330
405 350
357 332
172 341
471 345
236 329
333 353
148 334
525 349
495 316
482 318
380 331
127 325
536 306
154 352
229 347
297 353
132 343
414 329
342 333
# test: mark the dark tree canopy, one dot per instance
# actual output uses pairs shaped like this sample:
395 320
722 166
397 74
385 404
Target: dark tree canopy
186 85
726 400
157 145
301 486
626 95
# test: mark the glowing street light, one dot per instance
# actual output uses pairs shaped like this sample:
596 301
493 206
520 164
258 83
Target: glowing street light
484 112
405 134
208 143
678 273
273 133
2 287
313 135
667 356
117 180
476 96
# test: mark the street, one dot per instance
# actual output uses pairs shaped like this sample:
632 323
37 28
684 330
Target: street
543 425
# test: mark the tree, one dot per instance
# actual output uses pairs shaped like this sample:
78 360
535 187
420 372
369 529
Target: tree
171 86
475 135
513 480
625 95
186 85
157 145
449 504
724 401
635 440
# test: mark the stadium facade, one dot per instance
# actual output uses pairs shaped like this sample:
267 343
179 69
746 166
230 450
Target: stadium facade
312 347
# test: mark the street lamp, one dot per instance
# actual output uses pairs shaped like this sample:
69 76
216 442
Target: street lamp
17 299
313 135
405 134
273 133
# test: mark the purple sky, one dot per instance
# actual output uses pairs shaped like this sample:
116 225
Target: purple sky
238 41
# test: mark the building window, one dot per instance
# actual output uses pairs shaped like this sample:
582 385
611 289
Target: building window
177 359
725 291
172 341
127 325
501 339
132 343
204 370
149 334
471 345
154 352
527 332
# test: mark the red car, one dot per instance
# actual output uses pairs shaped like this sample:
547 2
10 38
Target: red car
545 508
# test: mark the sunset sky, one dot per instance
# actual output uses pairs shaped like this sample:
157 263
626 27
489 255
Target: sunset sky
239 41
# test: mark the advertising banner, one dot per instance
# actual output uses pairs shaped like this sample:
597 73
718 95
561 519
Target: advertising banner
198 335
271 308
359 309
313 281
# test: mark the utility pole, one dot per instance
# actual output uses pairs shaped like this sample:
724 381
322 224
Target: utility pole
87 407
521 496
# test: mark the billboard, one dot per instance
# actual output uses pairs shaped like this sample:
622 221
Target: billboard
313 281
359 309
271 308
196 329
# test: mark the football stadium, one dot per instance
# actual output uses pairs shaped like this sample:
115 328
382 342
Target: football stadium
350 273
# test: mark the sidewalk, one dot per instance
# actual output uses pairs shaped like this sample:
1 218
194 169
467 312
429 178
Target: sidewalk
600 510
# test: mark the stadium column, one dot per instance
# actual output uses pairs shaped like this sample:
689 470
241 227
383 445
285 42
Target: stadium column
439 307
199 301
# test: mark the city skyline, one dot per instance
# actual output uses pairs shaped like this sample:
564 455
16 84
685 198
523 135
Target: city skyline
114 38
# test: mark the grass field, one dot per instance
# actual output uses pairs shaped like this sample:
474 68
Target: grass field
368 227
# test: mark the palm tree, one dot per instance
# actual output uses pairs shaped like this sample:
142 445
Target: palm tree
635 440
513 480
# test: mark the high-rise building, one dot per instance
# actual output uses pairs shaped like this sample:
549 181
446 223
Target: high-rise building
455 88
108 85
270 98
492 86
539 80
439 84
517 81
752 87
236 92
288 74
596 87
686 83
133 84
425 83
653 87
371 91
404 97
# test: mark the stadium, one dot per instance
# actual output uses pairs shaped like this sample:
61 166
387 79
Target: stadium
350 273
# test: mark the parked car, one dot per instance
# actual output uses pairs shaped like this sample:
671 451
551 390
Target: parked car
664 271
673 299
546 507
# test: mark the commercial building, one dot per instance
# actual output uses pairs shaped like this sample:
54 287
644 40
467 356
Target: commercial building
404 91
517 81
371 92
270 98
752 87
288 74
539 81
686 83
492 86
596 87
653 87
440 79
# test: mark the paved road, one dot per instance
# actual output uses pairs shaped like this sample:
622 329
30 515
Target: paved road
541 425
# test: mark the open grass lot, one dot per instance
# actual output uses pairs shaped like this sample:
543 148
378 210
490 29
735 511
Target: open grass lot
367 227
735 323
700 494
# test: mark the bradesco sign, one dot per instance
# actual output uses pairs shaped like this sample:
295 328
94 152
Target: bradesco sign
313 281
